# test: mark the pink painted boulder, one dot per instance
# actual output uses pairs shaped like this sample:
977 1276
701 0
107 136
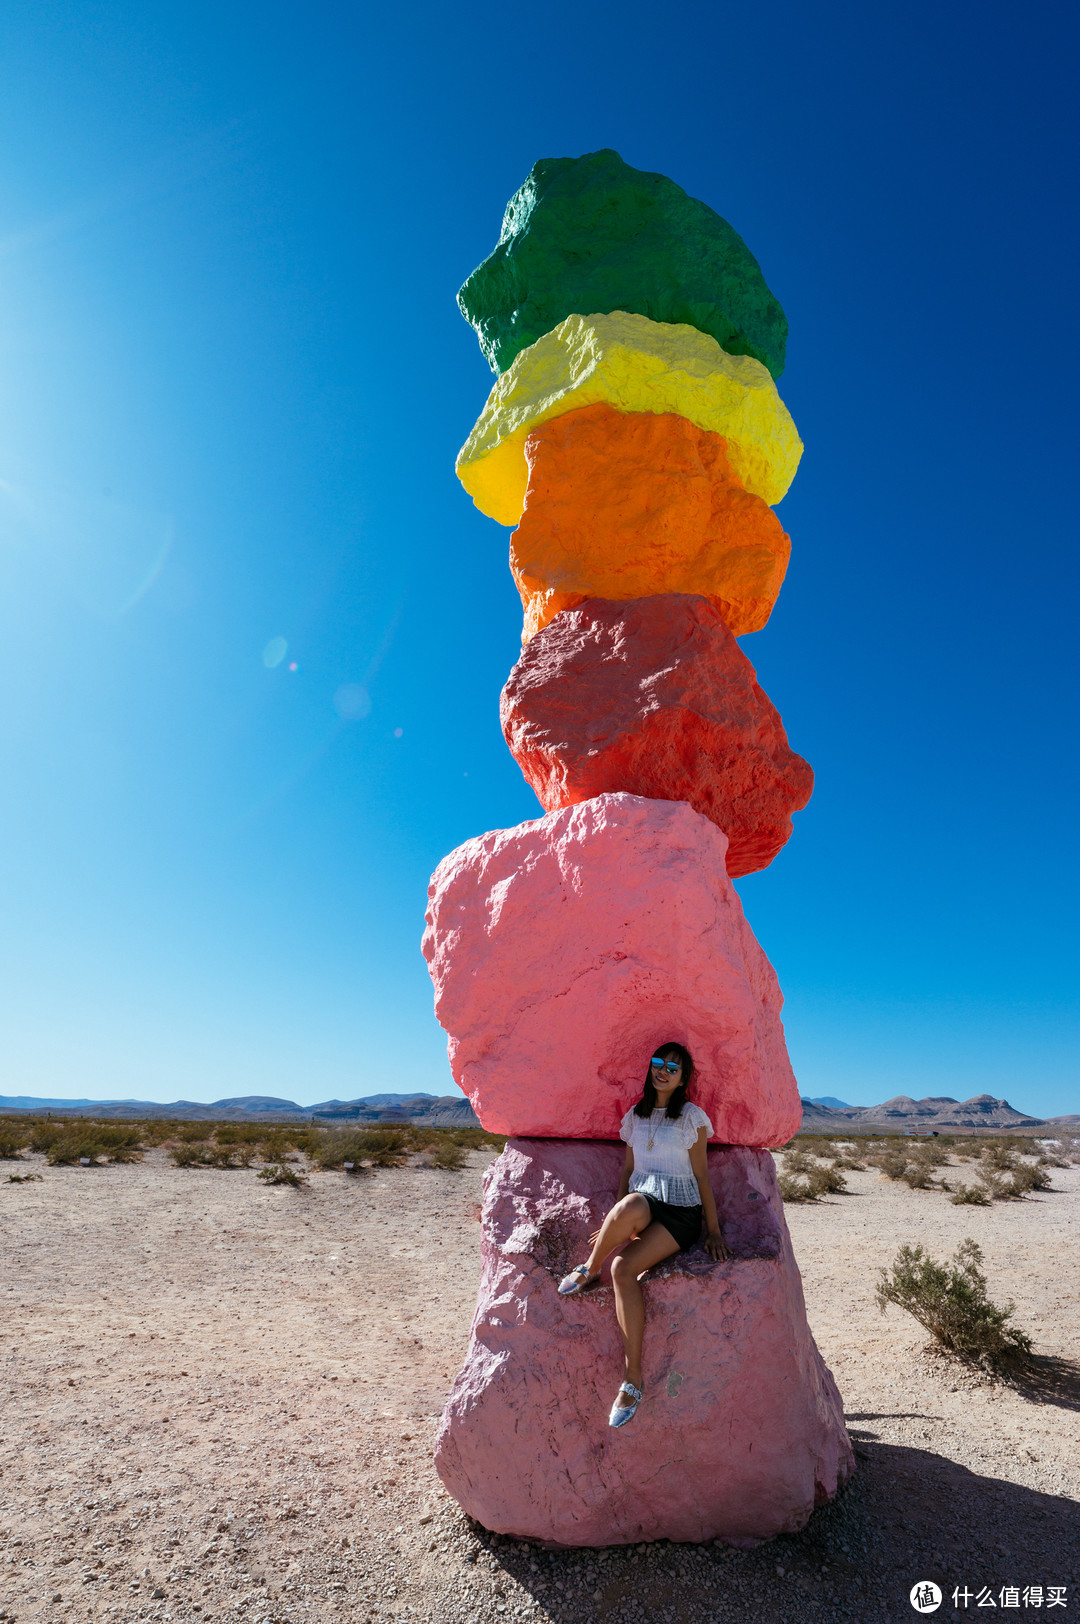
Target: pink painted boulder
741 1431
562 953
654 696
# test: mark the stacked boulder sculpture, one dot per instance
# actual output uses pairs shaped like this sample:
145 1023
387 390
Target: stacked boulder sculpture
636 439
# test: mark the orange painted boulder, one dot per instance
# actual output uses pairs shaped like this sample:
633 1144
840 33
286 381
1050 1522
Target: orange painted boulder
654 697
626 504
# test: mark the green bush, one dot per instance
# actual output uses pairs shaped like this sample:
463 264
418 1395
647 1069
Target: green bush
950 1300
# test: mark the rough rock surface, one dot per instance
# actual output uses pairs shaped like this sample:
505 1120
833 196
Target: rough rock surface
625 504
655 697
563 951
591 233
635 365
741 1430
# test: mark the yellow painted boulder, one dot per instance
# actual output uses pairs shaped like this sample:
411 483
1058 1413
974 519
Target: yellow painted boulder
634 365
627 504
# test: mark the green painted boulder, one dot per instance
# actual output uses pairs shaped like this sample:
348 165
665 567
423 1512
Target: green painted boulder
586 236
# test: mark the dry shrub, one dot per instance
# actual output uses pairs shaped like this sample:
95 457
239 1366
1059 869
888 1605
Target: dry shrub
238 1133
798 1161
211 1155
814 1182
187 1155
275 1146
43 1135
1028 1176
950 1300
14 1139
448 1155
24 1178
993 1185
970 1195
892 1162
998 1155
156 1132
277 1174
100 1142
382 1147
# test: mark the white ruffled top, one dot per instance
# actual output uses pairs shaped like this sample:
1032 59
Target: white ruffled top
662 1169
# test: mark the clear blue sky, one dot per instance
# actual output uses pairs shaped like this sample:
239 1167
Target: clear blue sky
232 384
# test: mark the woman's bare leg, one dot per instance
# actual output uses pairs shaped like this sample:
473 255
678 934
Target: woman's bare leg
653 1245
627 1218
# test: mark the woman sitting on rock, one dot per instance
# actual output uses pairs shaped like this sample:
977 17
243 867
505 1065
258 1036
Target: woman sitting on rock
663 1193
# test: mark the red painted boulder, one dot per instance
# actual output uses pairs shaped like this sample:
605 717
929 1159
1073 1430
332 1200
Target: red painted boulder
654 697
563 951
741 1430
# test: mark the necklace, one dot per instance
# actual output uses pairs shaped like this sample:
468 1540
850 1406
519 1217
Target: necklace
654 1125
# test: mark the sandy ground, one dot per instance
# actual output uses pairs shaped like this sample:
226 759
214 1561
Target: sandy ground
219 1400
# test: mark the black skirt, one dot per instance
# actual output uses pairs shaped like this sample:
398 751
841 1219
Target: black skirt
683 1224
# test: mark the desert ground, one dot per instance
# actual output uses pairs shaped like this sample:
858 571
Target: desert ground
220 1398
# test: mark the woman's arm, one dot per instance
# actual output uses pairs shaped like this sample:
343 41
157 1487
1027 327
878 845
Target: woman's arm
714 1240
627 1169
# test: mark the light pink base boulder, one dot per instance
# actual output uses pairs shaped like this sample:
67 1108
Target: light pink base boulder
562 953
741 1432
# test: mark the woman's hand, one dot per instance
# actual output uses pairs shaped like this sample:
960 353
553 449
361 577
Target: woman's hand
714 1245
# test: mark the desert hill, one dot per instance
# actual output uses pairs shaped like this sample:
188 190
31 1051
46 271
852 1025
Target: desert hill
937 1111
425 1110
983 1113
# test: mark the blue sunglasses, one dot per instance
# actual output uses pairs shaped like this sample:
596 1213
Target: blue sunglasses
665 1065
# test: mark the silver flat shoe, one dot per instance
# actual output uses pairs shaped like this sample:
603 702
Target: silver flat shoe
575 1281
622 1413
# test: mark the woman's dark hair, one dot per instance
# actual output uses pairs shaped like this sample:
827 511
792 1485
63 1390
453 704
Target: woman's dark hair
646 1105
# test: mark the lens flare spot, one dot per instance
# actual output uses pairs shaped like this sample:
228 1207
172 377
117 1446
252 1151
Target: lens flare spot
274 652
352 702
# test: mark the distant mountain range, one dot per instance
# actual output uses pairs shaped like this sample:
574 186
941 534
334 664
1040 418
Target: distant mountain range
425 1110
828 1099
824 1114
938 1111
